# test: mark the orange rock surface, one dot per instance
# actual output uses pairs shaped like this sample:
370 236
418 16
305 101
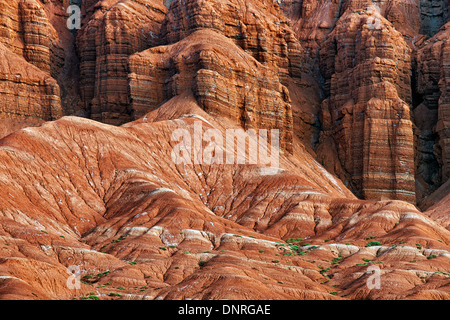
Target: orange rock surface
116 30
139 225
367 73
94 203
225 80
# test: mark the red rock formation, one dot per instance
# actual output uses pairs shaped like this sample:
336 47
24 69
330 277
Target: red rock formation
26 92
132 219
433 84
30 50
434 14
258 27
116 30
225 80
314 20
27 31
262 32
111 202
367 73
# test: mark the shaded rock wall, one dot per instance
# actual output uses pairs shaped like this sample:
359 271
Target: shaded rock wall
367 74
113 33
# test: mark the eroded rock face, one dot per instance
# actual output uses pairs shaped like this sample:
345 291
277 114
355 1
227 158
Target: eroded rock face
226 81
313 21
354 84
115 31
27 31
432 113
260 31
258 27
367 74
434 14
31 56
27 92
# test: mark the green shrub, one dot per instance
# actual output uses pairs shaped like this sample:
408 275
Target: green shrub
373 243
113 294
290 240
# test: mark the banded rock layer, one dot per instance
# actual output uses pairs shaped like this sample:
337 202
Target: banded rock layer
258 27
433 111
114 32
257 98
31 57
367 73
226 81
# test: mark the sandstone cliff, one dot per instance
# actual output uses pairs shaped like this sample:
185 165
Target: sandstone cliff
31 56
226 81
115 31
367 74
432 114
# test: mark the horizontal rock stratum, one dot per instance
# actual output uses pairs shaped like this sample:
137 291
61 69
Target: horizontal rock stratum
96 204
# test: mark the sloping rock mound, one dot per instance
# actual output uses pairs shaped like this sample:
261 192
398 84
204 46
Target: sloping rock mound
190 200
437 204
137 225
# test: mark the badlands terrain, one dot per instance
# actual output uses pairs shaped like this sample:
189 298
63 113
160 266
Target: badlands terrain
93 205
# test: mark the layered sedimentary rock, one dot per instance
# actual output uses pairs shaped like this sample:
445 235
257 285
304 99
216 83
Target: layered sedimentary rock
113 203
27 31
226 81
258 30
434 14
26 91
136 225
443 125
258 27
366 65
313 20
115 31
433 77
31 55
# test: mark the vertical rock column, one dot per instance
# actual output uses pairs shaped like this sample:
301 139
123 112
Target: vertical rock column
366 64
433 85
36 34
105 43
443 125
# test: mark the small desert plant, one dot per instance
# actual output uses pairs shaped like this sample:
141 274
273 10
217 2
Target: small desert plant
290 240
373 243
